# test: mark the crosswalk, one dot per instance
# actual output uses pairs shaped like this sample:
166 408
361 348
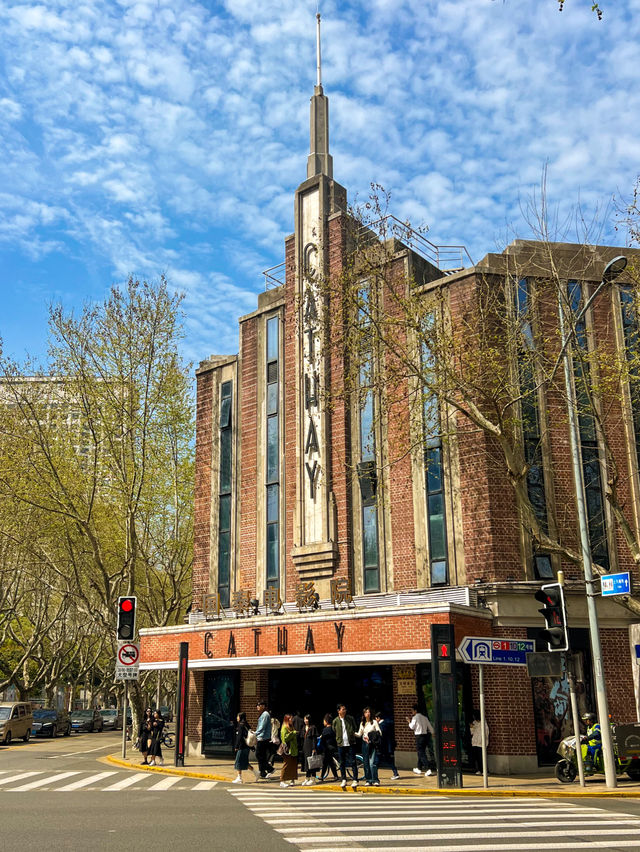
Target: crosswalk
75 781
326 822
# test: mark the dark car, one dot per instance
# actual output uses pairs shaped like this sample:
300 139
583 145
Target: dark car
167 713
86 720
112 719
49 723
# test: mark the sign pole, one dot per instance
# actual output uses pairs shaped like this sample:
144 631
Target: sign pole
124 720
574 713
485 773
181 709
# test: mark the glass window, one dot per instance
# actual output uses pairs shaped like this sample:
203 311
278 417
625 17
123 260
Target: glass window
224 491
273 557
273 450
272 339
434 479
370 536
225 461
272 503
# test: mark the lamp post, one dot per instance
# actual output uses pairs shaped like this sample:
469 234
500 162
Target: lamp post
611 272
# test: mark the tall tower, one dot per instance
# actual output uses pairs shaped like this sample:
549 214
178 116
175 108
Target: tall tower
314 547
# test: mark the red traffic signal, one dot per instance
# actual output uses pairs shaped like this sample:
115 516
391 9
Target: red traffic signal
553 610
126 625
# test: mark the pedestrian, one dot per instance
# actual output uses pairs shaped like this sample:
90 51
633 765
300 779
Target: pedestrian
329 749
289 747
421 727
157 727
388 744
298 724
144 736
476 741
371 735
309 748
263 739
344 727
274 745
241 747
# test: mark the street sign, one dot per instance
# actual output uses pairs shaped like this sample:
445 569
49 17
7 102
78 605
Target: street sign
128 661
497 652
615 584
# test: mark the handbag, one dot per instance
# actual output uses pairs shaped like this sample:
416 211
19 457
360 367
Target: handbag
283 748
251 739
314 761
375 738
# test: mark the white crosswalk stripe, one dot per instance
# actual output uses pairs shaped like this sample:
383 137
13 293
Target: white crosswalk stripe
107 781
325 822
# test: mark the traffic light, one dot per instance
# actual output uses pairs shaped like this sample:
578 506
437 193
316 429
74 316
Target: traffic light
553 610
126 628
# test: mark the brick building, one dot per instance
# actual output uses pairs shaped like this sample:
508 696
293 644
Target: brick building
318 570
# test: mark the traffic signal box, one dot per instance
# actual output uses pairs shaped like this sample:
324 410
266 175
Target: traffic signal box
126 628
555 614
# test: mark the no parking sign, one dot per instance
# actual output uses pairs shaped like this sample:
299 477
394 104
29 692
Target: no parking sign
128 661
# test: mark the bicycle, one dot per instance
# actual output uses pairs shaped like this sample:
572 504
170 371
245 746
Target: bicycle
168 739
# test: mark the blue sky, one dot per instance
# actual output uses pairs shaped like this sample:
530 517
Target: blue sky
149 136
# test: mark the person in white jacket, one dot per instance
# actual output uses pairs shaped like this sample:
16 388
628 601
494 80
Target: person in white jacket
421 727
371 735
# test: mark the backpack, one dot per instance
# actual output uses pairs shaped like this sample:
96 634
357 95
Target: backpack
275 731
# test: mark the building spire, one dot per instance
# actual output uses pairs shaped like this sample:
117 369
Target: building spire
320 161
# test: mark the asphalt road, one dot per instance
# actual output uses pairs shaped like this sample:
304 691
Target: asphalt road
58 795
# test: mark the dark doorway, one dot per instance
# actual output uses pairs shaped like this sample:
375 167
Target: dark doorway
318 690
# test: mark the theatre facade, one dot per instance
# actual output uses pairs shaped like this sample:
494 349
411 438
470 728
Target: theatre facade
319 569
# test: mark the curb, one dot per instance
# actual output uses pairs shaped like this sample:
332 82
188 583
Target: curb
395 791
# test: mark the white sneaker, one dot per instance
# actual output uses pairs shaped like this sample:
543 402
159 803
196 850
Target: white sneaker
417 771
237 781
428 773
306 783
376 783
394 777
311 782
367 783
292 783
257 774
343 783
354 784
283 784
151 763
270 774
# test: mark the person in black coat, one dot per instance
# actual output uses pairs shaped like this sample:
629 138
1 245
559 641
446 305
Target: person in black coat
298 724
329 749
157 727
144 735
309 747
241 747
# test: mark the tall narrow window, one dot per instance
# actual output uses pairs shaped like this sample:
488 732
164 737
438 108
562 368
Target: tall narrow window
530 412
224 512
434 480
273 454
367 468
594 496
632 351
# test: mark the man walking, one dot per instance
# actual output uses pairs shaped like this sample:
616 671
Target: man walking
388 744
344 727
263 740
421 727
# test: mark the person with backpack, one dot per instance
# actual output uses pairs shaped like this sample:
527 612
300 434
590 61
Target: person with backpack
263 740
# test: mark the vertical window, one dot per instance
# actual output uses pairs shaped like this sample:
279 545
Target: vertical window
367 470
632 351
273 455
434 480
530 412
224 492
594 496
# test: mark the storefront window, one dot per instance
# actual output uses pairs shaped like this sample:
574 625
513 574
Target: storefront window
220 707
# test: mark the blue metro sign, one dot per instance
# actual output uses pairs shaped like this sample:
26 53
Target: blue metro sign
494 651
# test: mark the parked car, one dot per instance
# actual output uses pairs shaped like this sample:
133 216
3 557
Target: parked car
86 720
15 721
49 723
167 713
112 719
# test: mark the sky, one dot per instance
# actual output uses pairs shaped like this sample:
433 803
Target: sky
148 137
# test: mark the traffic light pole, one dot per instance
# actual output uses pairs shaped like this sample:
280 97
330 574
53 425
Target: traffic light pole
585 547
124 720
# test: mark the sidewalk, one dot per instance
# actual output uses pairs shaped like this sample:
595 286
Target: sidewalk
542 785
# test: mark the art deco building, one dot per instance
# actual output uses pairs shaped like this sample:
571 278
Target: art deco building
319 568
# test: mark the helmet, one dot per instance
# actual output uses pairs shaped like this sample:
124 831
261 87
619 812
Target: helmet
589 718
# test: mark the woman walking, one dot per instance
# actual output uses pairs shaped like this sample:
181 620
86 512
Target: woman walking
289 737
329 749
309 748
241 747
157 727
371 735
144 735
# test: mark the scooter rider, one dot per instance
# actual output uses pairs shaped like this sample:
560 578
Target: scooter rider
593 739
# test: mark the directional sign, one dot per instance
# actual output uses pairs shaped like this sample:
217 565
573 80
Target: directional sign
128 661
497 652
615 584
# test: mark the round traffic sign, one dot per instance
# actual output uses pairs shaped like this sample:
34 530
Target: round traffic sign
128 654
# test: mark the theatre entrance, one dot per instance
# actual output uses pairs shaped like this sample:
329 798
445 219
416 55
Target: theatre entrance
318 690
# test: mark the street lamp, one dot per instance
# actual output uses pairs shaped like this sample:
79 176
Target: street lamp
611 272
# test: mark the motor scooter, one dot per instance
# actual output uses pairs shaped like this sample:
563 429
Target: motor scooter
626 750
